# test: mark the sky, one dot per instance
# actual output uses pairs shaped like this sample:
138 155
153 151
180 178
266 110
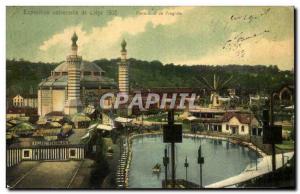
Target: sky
179 35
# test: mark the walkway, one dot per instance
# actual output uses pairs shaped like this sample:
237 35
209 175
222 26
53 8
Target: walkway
46 174
264 167
113 162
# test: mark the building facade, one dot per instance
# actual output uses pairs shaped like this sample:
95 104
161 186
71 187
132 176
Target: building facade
25 101
229 122
18 101
59 92
123 70
123 80
73 104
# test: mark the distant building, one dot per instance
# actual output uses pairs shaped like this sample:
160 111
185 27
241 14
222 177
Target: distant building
231 92
87 84
257 99
282 96
123 79
25 101
225 121
30 101
239 123
18 101
73 103
285 95
37 148
123 70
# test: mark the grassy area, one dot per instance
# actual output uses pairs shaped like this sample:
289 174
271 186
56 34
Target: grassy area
287 128
186 127
157 118
286 145
161 118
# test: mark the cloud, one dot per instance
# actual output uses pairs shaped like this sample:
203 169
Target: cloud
195 36
260 51
63 37
109 35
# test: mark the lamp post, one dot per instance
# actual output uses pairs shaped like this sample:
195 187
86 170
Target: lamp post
267 125
171 123
166 162
186 165
172 133
271 124
200 162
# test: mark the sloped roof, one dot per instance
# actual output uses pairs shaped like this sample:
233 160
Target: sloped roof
14 121
104 127
55 113
244 118
9 125
84 66
54 124
60 81
123 120
80 117
191 118
86 81
24 126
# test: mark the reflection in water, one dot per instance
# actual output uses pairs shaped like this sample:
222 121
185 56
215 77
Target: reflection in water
222 160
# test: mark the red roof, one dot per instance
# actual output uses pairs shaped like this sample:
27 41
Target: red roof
22 110
55 113
244 118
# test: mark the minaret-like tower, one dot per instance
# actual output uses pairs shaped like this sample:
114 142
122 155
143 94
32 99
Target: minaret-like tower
124 80
73 104
123 70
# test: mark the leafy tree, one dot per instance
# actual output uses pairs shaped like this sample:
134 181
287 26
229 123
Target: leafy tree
247 79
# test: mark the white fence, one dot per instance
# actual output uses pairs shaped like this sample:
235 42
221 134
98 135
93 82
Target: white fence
13 157
56 153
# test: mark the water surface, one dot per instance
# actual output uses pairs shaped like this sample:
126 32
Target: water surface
222 160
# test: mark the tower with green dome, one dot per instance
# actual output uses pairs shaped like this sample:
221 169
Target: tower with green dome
73 104
123 70
124 79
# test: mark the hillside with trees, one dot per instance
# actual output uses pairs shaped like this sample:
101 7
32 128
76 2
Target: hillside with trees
24 76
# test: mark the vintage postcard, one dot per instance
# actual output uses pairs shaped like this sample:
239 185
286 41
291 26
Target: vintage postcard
166 97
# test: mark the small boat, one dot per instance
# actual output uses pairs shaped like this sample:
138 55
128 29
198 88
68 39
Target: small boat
156 168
